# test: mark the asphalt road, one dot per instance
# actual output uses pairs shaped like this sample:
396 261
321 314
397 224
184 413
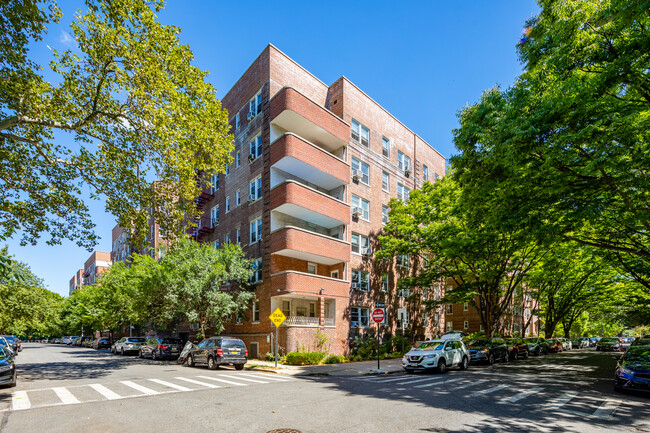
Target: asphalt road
72 389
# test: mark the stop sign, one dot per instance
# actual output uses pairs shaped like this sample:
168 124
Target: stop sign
378 315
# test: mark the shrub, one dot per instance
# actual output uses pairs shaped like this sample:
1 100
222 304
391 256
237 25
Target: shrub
333 359
304 358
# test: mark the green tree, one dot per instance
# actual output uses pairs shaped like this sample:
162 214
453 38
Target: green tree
454 236
566 149
120 108
207 284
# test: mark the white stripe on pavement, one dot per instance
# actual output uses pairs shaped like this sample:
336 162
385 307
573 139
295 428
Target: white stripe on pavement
522 395
243 378
438 383
561 400
265 376
142 389
198 382
171 385
222 380
384 380
65 396
418 380
20 401
478 382
488 390
105 391
607 409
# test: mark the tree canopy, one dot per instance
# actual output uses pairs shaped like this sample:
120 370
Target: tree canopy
122 107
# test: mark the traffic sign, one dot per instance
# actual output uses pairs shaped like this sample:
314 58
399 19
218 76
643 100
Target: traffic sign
277 317
378 315
379 305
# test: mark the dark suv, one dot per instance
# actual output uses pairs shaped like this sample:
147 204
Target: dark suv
161 347
102 343
517 347
215 351
488 350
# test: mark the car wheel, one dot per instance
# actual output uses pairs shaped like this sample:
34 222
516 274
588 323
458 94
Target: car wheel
515 355
442 366
190 361
122 351
211 364
490 359
506 357
140 355
153 355
239 366
526 355
464 364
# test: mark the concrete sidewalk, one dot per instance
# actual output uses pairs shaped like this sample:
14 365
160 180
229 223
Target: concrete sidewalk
388 366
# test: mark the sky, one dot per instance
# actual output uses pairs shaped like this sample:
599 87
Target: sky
421 60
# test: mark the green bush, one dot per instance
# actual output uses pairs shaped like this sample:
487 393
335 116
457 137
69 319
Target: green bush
333 359
304 358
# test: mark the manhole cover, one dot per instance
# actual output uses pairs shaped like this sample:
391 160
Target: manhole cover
284 430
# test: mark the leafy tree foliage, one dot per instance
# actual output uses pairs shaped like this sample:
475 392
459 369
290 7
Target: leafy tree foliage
566 150
122 107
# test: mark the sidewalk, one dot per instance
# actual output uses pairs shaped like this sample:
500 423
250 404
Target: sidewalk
388 366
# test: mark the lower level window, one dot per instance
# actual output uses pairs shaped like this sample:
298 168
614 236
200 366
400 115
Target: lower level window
449 326
359 317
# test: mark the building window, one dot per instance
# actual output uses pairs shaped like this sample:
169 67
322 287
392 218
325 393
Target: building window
238 159
403 260
312 268
425 173
465 324
227 204
360 280
449 309
403 161
424 318
255 148
361 206
227 169
237 121
227 239
402 318
238 236
238 197
239 319
480 328
255 192
256 230
215 244
402 192
360 243
361 170
255 105
360 133
286 308
449 326
214 216
385 147
384 214
257 271
359 317
214 180
384 283
403 293
425 293
256 311
465 306
435 176
385 181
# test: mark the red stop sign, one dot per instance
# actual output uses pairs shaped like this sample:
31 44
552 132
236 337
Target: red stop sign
378 315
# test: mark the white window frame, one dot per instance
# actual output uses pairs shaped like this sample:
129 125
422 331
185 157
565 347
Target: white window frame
214 180
237 121
465 306
361 242
465 324
360 133
403 192
255 104
255 189
238 159
363 168
385 284
385 147
403 161
385 181
403 260
449 326
227 169
227 239
238 235
257 271
256 230
256 311
362 279
227 204
384 214
214 216
238 197
255 148
363 204
449 308
425 173
314 266
362 316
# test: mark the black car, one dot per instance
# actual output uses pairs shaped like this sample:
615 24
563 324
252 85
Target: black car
488 350
641 341
7 367
161 347
633 370
517 347
537 345
102 343
215 351
14 342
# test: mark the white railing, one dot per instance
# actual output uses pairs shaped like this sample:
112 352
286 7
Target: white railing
301 321
329 322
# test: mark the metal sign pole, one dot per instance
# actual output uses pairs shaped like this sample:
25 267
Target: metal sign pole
378 325
276 346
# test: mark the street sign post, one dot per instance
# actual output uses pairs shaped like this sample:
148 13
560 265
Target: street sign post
378 316
277 317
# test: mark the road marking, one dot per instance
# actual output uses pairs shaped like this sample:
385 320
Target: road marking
437 383
478 382
515 398
105 391
243 378
142 389
418 380
65 395
383 380
198 382
171 385
265 376
20 401
489 390
561 400
223 380
527 376
607 409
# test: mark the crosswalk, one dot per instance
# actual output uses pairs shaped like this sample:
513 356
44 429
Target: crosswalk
78 394
550 395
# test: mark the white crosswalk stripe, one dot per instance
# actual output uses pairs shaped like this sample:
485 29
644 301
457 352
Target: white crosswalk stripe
65 396
230 382
110 395
243 378
488 390
438 383
198 382
468 384
265 376
142 389
171 385
515 398
607 409
418 381
561 400
20 401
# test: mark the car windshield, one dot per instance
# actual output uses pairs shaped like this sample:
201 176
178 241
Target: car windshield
136 339
10 339
3 353
641 355
170 341
432 345
480 343
610 340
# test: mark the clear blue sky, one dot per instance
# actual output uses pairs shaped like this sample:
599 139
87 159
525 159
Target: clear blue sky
423 62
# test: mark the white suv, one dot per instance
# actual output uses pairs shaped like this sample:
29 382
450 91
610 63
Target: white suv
438 355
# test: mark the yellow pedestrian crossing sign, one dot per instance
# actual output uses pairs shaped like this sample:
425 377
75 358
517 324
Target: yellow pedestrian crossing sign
277 317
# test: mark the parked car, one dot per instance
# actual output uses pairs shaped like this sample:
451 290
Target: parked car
641 341
7 367
627 342
71 340
127 345
593 341
610 343
566 343
161 347
537 345
14 342
215 351
583 342
488 350
517 348
633 370
102 343
555 345
436 355
7 346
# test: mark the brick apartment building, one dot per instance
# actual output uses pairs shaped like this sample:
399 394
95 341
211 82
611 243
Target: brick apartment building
98 263
315 166
76 281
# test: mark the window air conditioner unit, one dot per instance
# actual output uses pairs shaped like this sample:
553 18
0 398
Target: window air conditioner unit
356 212
251 115
407 170
355 285
384 219
354 324
366 251
356 174
251 197
251 158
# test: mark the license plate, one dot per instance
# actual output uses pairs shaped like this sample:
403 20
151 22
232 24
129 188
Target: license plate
234 352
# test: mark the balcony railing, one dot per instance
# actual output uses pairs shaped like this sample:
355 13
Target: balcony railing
329 321
301 321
